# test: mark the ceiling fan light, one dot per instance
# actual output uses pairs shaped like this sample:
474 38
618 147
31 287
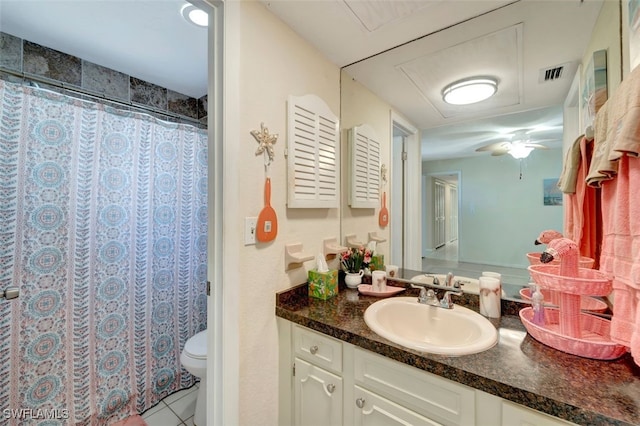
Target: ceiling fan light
520 151
469 91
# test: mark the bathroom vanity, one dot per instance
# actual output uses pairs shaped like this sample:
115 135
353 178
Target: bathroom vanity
335 370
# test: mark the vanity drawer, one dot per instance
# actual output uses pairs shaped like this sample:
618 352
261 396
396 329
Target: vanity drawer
321 350
439 399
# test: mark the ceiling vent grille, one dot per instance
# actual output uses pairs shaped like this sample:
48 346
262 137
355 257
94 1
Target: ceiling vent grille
554 73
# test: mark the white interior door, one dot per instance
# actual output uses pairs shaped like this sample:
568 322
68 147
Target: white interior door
453 213
439 214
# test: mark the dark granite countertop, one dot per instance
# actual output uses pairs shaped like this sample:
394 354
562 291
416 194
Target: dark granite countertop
518 368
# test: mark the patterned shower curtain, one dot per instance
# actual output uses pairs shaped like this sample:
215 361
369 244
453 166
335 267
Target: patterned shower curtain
103 227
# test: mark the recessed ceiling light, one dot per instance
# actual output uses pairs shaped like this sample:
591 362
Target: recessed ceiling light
194 15
470 90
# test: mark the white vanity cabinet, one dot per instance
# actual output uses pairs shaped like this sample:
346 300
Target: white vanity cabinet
517 415
372 409
317 389
318 395
418 397
328 382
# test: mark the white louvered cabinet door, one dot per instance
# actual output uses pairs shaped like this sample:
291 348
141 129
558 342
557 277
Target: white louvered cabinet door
364 167
313 154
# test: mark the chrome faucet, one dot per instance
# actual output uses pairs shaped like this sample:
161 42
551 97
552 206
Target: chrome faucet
449 279
428 297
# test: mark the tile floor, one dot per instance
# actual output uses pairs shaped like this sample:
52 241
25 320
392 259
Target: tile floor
175 410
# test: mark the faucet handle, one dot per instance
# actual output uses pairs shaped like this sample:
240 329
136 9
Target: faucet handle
430 297
422 298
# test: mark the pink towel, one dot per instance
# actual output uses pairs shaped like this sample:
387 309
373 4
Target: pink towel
621 251
580 213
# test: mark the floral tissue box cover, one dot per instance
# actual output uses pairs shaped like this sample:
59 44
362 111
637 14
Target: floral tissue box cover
323 285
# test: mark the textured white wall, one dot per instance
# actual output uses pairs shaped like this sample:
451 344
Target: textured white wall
265 62
360 106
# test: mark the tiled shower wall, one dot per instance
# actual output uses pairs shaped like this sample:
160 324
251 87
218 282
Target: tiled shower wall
26 57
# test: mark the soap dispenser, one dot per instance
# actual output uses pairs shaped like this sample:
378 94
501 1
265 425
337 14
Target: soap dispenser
538 307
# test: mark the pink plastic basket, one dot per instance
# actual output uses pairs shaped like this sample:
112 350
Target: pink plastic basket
589 282
587 303
584 262
595 342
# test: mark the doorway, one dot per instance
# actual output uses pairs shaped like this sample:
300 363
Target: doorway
405 208
441 216
397 199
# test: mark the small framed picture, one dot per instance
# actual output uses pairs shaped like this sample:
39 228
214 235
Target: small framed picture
552 194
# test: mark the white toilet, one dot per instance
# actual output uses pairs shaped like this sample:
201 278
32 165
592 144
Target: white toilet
194 360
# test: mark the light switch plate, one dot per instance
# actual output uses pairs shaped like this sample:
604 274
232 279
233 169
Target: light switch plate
250 224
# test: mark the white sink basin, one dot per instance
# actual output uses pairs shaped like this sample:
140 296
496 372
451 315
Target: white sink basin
468 285
457 331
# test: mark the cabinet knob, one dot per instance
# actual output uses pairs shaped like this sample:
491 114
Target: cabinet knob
360 402
331 387
313 349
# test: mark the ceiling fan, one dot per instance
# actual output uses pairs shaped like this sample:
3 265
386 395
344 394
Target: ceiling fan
518 146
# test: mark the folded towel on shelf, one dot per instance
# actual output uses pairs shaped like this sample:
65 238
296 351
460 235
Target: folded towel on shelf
602 168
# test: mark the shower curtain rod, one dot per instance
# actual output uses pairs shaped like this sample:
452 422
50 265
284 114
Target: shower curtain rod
100 96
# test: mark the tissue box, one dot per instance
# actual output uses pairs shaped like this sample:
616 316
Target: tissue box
323 285
377 262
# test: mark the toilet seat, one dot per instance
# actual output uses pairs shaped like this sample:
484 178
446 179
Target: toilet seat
196 346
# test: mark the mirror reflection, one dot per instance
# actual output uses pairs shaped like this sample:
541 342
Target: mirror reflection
471 186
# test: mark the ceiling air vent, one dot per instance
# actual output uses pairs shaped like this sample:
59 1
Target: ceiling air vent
552 73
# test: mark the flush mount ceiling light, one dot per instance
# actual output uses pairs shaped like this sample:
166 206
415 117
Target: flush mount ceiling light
469 91
194 15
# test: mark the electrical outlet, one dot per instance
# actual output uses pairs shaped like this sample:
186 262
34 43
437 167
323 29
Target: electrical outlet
250 224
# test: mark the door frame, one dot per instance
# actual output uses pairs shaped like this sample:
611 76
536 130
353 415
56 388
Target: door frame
412 185
428 197
222 329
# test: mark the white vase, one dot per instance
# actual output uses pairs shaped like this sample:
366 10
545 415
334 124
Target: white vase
353 279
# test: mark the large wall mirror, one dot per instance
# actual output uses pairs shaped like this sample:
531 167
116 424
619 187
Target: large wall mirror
460 196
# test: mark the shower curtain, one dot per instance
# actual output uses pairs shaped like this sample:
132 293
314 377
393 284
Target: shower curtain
103 227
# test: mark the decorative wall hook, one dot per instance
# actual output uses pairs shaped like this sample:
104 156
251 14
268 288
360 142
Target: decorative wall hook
330 247
293 256
265 143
